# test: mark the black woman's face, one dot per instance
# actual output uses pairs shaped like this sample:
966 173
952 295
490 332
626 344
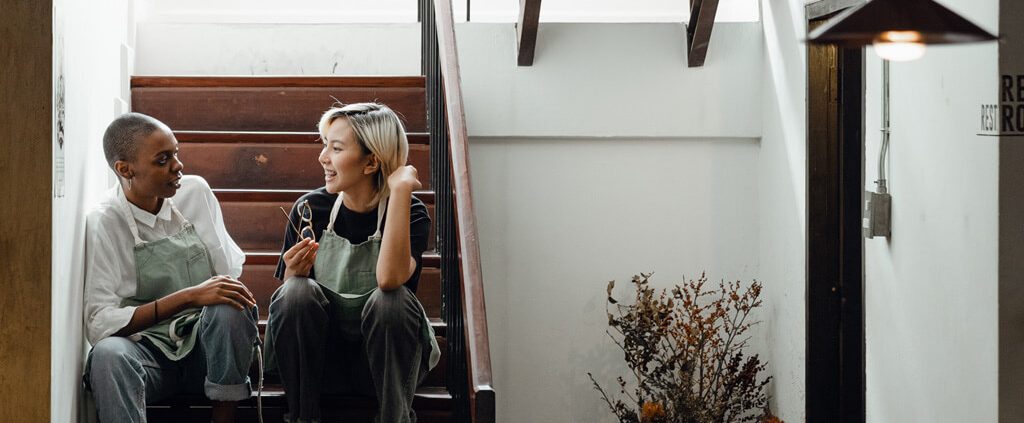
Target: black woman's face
156 169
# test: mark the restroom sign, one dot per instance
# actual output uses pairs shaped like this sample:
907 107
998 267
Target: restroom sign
1006 118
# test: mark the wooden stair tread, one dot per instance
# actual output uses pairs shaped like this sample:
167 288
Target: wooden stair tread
430 258
415 81
427 397
440 327
274 104
275 165
285 195
279 137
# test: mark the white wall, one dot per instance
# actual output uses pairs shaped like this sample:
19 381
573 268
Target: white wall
931 290
349 11
96 70
277 49
560 218
782 176
598 163
608 80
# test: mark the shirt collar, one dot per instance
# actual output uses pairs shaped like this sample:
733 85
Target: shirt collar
149 219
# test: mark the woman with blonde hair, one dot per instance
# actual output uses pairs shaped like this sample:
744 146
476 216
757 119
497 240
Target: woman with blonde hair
346 320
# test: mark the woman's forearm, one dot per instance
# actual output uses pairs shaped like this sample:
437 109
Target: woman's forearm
151 313
395 264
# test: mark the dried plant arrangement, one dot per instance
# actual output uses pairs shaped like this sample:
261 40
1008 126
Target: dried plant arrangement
684 348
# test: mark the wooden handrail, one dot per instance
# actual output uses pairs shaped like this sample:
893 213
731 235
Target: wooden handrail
474 314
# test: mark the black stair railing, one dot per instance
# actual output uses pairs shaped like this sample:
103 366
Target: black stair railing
469 369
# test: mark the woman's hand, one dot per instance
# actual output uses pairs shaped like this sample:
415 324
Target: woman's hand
221 290
299 259
404 179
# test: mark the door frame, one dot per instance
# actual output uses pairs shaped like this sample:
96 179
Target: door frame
835 372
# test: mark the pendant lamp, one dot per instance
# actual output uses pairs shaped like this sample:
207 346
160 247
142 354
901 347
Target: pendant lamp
898 29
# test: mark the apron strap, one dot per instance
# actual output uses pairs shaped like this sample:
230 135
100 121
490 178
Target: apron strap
133 227
337 208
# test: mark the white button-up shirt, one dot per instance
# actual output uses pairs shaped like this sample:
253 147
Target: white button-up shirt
109 249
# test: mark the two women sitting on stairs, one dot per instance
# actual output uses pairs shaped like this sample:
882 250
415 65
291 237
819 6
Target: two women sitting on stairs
346 320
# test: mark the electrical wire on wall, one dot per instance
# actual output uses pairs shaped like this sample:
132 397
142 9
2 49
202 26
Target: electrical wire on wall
886 130
878 205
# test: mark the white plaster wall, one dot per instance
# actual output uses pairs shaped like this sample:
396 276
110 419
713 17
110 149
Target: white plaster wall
782 188
277 49
349 11
931 290
601 161
560 218
96 70
608 80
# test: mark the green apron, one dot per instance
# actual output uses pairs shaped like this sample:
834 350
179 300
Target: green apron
349 272
163 267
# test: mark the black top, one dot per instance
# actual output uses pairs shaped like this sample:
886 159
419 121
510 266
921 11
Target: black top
357 227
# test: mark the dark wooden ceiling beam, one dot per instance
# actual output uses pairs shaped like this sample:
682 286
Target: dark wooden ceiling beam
822 8
698 32
529 20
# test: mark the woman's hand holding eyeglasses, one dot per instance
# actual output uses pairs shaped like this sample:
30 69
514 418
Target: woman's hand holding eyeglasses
299 259
221 290
405 180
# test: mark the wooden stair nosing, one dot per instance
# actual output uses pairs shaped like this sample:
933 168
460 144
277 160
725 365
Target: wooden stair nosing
278 81
416 138
428 398
285 195
440 327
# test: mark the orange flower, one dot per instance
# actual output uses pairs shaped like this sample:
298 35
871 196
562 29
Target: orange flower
651 411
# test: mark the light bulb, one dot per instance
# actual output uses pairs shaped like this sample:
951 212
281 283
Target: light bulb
899 46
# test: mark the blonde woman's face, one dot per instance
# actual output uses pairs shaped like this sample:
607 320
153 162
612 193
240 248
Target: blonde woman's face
342 158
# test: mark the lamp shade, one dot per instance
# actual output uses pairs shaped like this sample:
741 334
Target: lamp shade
928 22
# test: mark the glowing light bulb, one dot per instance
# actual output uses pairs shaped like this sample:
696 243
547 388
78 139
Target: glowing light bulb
899 46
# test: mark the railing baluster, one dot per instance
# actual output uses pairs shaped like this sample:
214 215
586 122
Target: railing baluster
447 247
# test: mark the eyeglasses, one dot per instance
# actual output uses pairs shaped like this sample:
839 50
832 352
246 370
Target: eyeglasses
305 230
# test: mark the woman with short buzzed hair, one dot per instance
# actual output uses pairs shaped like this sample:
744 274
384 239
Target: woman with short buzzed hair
164 311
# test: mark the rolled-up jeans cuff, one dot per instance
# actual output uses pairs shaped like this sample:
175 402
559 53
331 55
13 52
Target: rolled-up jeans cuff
217 392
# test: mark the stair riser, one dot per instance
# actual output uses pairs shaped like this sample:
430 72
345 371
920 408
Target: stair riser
272 165
268 108
260 226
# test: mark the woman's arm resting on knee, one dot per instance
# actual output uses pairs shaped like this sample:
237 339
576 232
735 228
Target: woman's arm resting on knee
216 290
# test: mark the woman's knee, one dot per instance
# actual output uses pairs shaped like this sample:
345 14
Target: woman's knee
231 318
296 295
114 356
391 307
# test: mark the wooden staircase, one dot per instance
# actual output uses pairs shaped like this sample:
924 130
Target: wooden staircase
253 139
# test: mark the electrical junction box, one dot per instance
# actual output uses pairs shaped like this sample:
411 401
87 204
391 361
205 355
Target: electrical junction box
877 214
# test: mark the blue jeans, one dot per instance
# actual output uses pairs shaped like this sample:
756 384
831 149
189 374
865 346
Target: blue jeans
124 375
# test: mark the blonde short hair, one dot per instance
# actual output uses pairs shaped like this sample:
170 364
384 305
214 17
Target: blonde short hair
379 131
